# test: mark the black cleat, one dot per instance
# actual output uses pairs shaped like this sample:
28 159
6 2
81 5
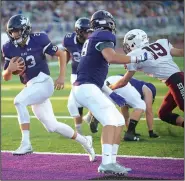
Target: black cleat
130 137
153 135
94 124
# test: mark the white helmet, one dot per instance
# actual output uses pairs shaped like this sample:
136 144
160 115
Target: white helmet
133 39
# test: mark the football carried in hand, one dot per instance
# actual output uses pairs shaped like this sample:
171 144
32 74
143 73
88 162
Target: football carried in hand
21 61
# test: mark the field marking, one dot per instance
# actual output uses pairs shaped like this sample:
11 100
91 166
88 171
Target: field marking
51 98
58 117
57 98
81 154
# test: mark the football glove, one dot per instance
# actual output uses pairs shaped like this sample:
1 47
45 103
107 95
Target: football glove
141 58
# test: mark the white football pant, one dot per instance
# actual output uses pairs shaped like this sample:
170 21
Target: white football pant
129 93
36 94
91 97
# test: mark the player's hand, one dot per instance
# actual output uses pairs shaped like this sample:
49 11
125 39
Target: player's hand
59 83
15 65
111 86
141 58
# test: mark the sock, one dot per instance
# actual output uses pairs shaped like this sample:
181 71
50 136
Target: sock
26 136
106 154
115 148
81 139
88 117
132 125
78 128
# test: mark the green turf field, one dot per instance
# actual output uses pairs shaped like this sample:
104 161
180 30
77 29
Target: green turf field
170 144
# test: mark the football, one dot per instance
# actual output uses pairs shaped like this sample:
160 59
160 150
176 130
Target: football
21 60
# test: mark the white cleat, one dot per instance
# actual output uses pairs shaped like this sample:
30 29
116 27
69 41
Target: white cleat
112 169
89 148
23 149
122 166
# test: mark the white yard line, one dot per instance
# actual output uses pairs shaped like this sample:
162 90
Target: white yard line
57 98
58 117
80 154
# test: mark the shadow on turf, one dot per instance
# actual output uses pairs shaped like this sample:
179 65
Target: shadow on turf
113 177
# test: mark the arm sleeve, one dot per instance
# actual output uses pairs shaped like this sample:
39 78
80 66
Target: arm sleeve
102 45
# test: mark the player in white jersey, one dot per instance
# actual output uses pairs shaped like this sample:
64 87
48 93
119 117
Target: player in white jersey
161 67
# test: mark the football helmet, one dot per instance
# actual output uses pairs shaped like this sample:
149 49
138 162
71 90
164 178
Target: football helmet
21 24
133 39
103 20
82 28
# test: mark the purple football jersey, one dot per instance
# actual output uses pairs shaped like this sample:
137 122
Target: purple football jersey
74 48
33 54
138 84
93 67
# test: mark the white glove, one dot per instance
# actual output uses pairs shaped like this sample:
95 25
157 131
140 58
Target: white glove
141 58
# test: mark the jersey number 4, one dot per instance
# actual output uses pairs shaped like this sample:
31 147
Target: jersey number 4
156 49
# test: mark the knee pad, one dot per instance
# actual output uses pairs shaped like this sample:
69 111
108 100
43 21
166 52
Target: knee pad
73 109
72 106
22 112
113 117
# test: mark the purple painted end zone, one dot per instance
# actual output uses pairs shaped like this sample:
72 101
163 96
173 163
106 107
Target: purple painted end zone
71 167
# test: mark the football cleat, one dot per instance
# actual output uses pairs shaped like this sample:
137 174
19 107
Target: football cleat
23 149
154 135
89 148
130 137
94 124
112 169
118 165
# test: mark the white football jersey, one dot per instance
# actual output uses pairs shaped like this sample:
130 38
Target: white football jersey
161 66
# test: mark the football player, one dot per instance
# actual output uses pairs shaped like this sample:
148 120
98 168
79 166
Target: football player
39 86
147 92
138 95
73 43
97 52
161 67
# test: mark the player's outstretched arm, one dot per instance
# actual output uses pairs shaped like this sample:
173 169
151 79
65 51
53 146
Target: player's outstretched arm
175 52
12 66
59 83
113 57
123 81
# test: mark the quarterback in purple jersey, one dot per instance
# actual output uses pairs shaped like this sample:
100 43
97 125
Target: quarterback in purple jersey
39 85
73 43
97 52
